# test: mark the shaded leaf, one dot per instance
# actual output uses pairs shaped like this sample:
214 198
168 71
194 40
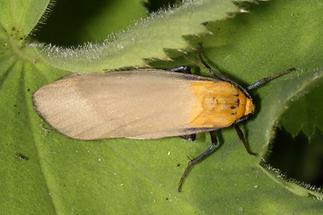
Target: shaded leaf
146 39
75 22
306 111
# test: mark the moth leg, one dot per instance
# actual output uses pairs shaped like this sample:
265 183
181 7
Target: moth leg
189 137
181 69
214 145
243 140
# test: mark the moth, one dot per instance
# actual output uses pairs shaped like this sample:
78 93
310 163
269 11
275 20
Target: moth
148 104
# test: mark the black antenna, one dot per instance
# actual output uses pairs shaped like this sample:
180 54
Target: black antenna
212 70
263 81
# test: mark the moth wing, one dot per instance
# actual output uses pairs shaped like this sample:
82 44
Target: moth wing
132 104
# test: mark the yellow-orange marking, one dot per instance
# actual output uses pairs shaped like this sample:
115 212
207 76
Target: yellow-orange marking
218 104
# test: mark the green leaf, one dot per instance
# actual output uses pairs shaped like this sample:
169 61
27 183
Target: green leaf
294 156
119 176
296 161
18 18
77 22
306 110
146 39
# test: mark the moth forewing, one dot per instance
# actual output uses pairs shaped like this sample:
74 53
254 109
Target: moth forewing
143 103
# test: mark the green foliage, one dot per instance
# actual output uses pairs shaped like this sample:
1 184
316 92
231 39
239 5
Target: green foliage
161 30
74 22
295 155
119 176
308 110
18 18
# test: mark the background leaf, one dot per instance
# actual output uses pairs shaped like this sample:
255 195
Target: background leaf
296 152
307 108
75 22
146 39
155 5
120 176
18 18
